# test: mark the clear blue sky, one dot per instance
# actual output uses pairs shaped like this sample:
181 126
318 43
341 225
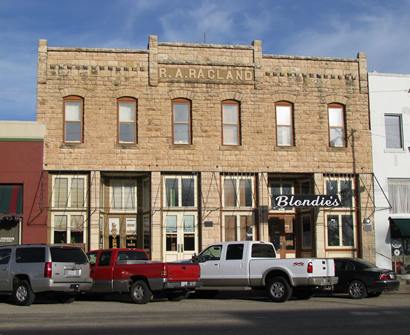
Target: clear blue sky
338 28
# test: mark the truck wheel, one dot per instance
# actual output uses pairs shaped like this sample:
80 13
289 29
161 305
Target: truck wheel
302 293
23 295
357 290
140 292
278 289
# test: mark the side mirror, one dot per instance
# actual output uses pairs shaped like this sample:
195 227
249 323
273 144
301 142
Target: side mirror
195 258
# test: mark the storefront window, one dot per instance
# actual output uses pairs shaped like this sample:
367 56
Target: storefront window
180 191
340 230
238 191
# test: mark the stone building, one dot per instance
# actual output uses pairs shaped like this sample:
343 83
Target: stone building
180 145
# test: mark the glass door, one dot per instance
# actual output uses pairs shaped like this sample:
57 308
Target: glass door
180 236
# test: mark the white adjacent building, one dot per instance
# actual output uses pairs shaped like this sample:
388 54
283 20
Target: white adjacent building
390 125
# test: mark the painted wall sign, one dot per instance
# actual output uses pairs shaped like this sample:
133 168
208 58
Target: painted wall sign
205 74
283 201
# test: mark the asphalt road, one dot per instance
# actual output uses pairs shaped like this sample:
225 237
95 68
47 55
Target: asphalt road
231 313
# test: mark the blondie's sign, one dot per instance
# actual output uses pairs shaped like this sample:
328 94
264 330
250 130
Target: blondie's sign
282 201
206 74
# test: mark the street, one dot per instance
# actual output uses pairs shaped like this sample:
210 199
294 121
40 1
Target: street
231 313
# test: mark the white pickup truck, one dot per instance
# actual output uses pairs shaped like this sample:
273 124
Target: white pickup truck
254 264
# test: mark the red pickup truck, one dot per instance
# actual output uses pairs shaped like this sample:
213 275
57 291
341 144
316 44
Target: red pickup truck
129 271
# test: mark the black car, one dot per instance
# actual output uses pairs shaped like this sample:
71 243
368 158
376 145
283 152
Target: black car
361 279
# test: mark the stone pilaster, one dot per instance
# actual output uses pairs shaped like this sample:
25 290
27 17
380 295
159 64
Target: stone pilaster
264 203
156 221
363 80
257 59
95 189
319 219
153 60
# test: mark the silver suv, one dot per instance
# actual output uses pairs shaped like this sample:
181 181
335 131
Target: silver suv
33 268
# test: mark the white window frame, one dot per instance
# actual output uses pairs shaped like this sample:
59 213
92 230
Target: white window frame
70 178
68 228
340 214
238 215
238 195
179 181
281 182
180 230
402 147
125 182
339 179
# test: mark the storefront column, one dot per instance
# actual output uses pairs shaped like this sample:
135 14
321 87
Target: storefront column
94 224
156 224
210 225
365 232
263 206
319 219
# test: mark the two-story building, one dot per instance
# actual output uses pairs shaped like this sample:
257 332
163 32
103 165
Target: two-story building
390 119
179 145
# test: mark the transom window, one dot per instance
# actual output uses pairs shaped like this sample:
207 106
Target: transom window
69 191
238 191
393 126
127 120
342 187
337 132
399 195
284 124
73 119
180 191
123 195
277 188
181 120
230 123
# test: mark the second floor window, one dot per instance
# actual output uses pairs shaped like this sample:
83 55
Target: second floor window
284 124
230 123
392 123
73 119
337 132
127 120
181 120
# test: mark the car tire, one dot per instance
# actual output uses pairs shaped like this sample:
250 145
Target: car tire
140 292
66 299
374 294
357 290
278 289
23 295
302 293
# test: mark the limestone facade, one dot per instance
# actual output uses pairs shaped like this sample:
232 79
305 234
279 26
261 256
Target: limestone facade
206 75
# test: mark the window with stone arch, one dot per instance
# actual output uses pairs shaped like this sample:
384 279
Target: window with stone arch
284 124
337 125
73 119
181 121
231 122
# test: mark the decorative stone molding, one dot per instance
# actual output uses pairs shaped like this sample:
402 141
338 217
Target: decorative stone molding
73 91
181 94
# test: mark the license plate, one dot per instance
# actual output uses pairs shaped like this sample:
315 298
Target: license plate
184 283
72 273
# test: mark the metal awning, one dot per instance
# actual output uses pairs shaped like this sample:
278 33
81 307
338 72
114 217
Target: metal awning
400 227
11 200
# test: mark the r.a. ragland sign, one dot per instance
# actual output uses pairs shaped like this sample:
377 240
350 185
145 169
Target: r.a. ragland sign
242 75
284 201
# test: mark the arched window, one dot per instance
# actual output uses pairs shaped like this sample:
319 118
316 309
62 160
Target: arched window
127 120
231 123
181 121
73 119
284 124
337 125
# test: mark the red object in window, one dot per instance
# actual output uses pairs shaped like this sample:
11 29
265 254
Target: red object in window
310 267
48 270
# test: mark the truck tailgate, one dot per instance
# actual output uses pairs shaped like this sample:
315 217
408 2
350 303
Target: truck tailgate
182 272
323 267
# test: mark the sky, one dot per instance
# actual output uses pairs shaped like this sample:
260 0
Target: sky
335 28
